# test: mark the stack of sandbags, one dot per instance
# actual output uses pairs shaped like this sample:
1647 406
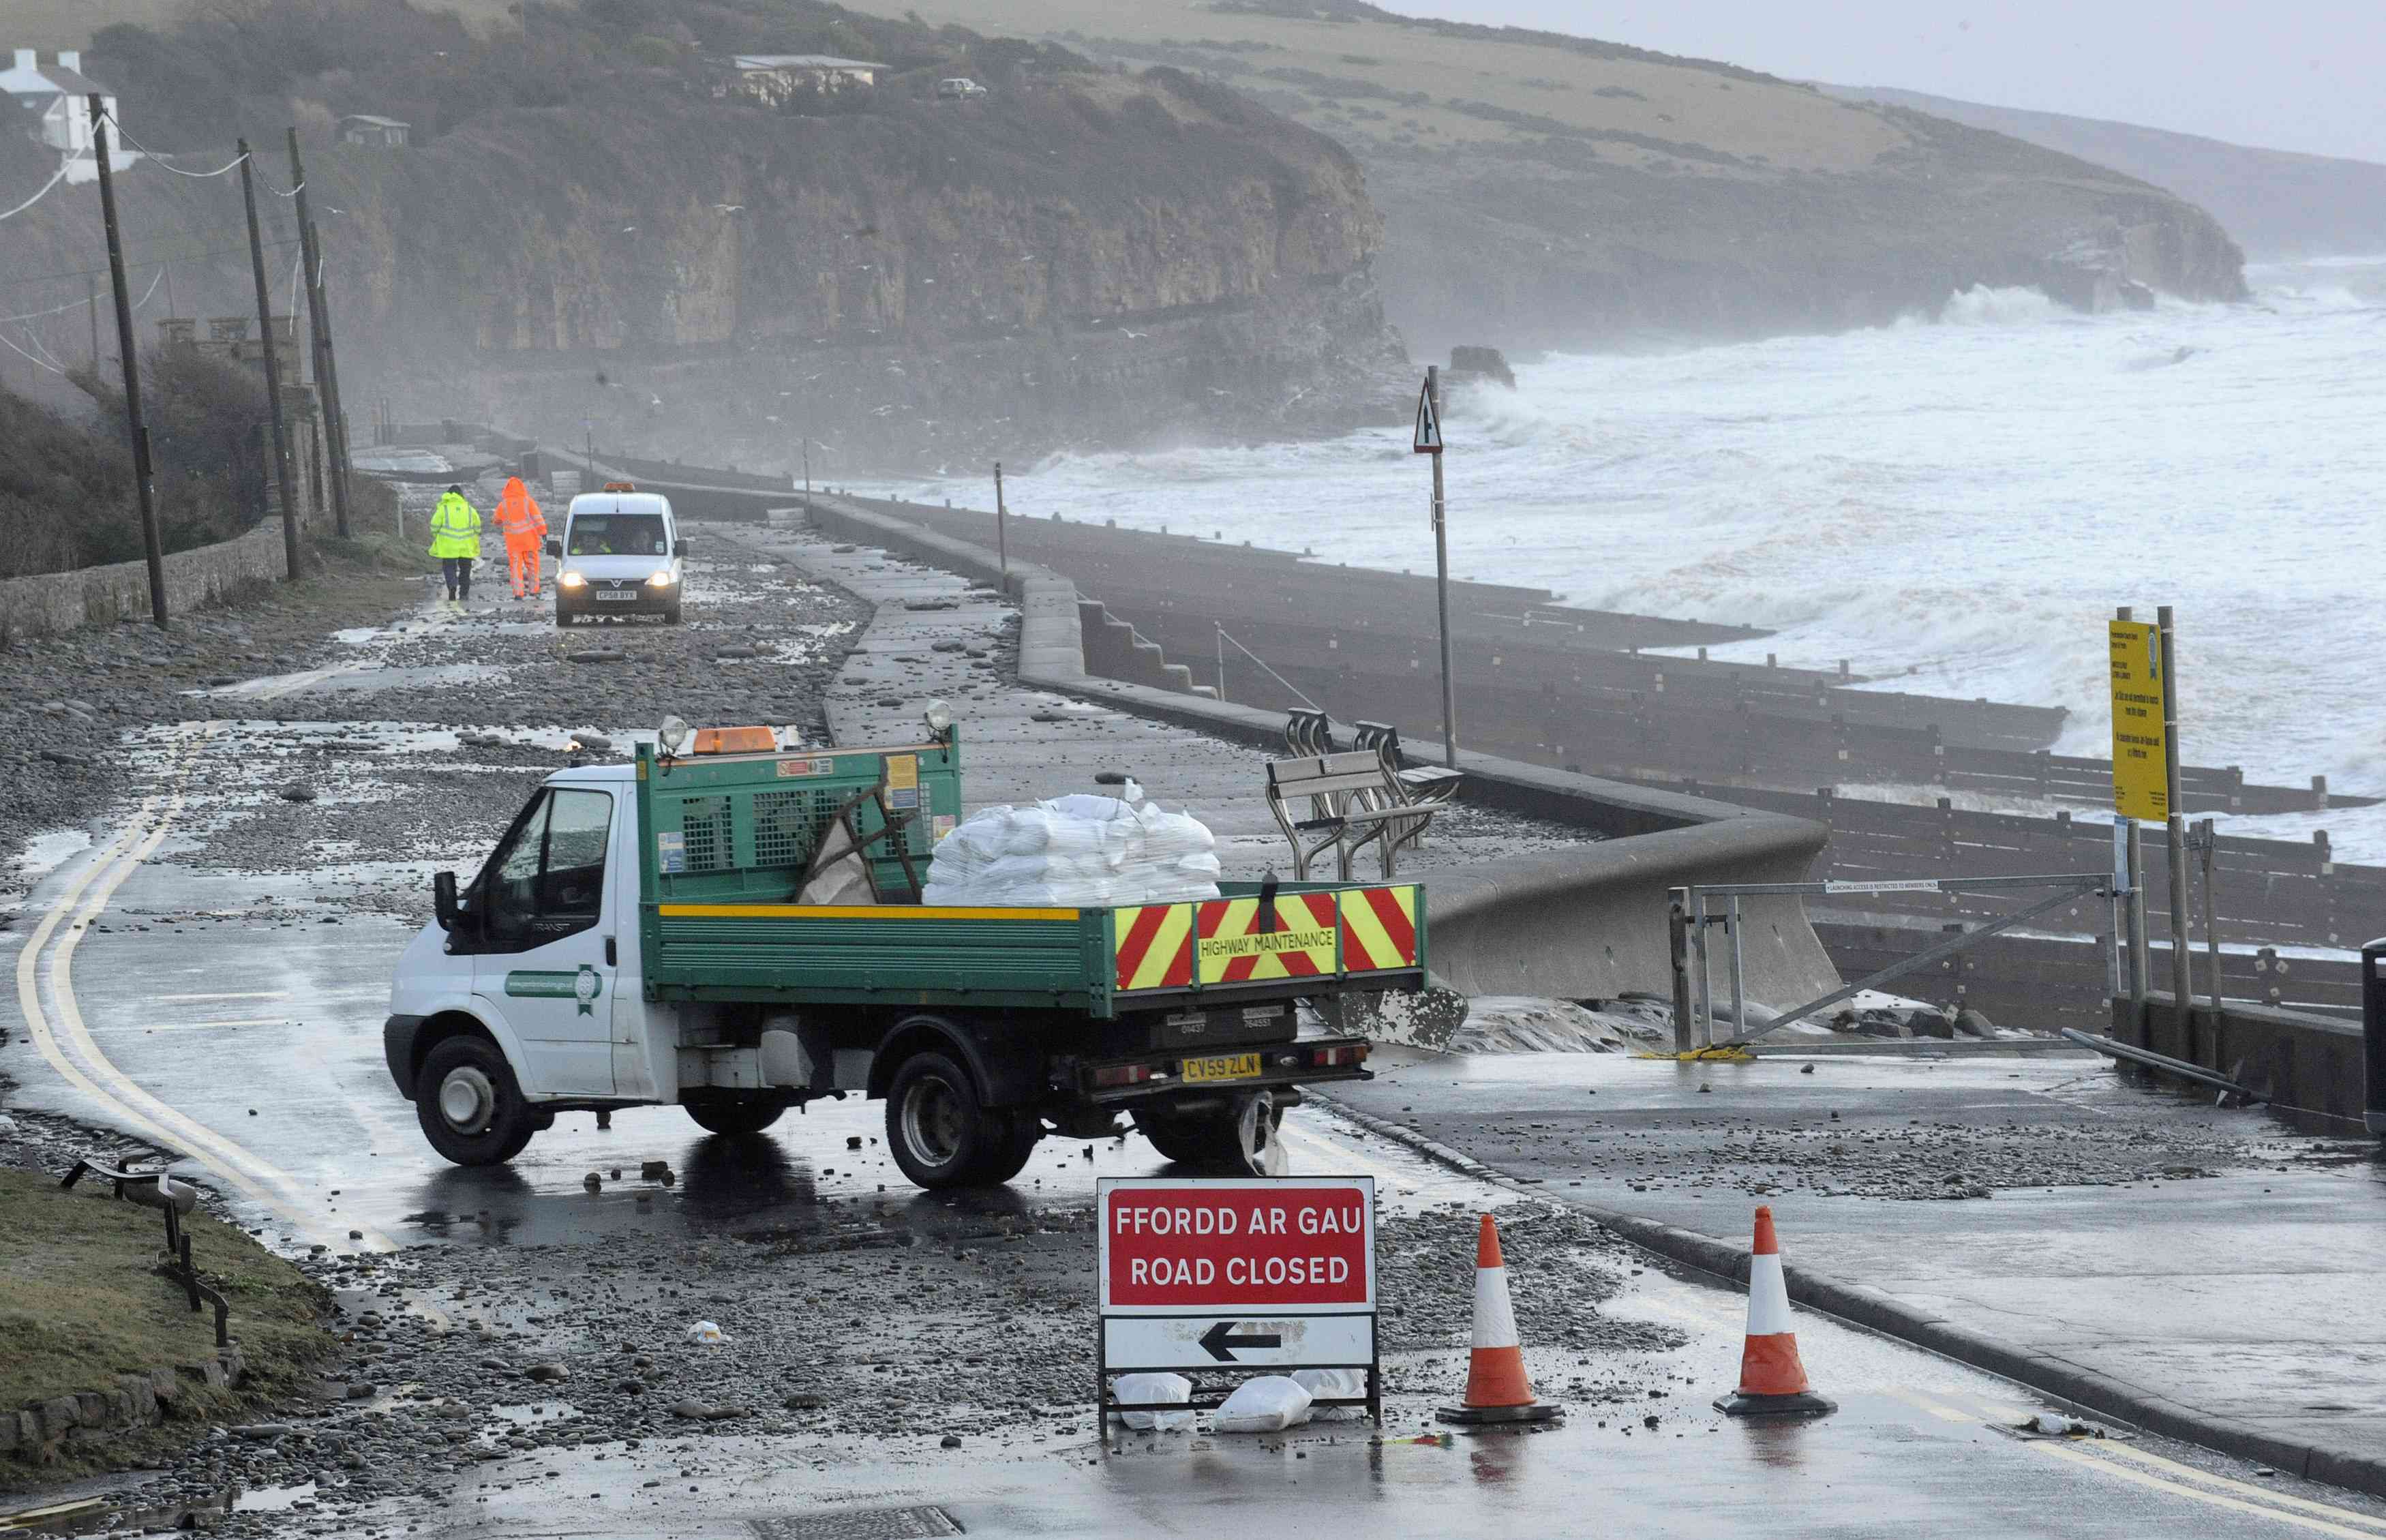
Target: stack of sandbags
1073 852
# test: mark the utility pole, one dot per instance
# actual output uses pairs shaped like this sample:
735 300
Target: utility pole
1429 423
142 479
2183 957
91 287
283 478
1001 539
327 369
806 452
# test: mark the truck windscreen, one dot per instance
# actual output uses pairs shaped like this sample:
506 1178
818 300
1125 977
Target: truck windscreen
617 534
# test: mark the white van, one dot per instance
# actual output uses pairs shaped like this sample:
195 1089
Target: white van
622 555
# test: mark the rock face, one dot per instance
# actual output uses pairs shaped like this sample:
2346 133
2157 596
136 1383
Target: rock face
1098 260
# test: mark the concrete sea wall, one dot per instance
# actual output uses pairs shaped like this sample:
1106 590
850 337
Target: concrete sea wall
1587 922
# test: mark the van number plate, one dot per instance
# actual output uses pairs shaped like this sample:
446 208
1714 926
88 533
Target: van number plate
624 596
1222 1067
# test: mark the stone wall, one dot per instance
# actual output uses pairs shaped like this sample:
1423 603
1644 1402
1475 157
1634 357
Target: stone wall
37 1433
50 604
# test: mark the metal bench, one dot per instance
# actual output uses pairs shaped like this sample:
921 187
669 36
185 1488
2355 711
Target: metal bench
1424 786
1308 733
1347 810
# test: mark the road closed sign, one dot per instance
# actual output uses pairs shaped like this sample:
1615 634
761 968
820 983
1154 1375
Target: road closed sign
1261 1273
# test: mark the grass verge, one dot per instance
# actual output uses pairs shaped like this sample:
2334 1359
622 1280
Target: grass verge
81 1301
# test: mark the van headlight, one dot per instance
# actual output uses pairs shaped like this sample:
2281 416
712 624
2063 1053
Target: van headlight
571 579
661 580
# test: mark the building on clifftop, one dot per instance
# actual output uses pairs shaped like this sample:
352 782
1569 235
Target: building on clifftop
57 94
771 79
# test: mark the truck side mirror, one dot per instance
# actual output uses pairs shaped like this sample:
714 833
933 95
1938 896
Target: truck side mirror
442 901
679 548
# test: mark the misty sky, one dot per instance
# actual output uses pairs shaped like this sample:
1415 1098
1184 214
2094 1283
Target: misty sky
2293 74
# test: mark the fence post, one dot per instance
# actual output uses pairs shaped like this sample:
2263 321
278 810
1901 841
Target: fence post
1677 948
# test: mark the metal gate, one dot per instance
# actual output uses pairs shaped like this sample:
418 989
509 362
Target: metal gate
1691 920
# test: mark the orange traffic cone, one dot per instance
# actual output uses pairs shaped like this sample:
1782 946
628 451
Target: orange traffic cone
1497 1390
1772 1380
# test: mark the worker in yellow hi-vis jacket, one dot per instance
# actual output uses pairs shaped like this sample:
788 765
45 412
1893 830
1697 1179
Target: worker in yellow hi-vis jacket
455 542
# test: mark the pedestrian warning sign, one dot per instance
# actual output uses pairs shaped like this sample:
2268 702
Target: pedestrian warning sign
1428 422
2141 749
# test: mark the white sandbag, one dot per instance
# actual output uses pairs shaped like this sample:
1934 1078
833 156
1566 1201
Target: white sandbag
1174 1388
1075 851
1334 1385
1267 1405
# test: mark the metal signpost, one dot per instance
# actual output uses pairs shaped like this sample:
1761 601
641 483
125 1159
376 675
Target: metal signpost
2141 790
1428 441
2146 785
1264 1274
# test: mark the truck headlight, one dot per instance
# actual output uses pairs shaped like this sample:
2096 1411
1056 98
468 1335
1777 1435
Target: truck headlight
672 734
661 580
569 580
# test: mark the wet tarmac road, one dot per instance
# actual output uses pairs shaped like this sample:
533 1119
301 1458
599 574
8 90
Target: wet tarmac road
2209 1256
252 1040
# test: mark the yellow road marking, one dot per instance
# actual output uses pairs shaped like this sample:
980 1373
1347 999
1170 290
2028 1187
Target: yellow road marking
850 911
193 1026
2079 1455
2110 1447
60 1042
193 999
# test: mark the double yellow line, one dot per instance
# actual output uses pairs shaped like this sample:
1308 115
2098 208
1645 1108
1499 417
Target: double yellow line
66 1041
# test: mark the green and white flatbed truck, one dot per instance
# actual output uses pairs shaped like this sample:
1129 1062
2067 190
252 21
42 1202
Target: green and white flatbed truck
642 935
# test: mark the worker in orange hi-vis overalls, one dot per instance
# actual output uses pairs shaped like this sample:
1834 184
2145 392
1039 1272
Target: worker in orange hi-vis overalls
525 529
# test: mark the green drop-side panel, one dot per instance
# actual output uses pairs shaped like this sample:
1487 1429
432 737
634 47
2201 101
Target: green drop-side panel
744 826
892 955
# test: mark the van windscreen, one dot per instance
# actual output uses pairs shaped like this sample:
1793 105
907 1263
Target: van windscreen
617 534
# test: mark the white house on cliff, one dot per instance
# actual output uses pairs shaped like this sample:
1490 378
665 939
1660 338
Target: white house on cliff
57 93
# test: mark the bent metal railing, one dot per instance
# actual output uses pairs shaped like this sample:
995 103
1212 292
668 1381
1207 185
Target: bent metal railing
157 1190
1690 921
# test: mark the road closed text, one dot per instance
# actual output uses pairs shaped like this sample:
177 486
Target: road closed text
1199 1245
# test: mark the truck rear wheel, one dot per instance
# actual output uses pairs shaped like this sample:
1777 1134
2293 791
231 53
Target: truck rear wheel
940 1134
741 1116
468 1106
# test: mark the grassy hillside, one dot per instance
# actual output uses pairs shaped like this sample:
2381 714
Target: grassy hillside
2277 203
1540 189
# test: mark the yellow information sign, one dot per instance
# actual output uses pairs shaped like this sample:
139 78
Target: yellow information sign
2141 753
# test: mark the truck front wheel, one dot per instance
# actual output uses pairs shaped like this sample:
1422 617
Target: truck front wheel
468 1106
942 1136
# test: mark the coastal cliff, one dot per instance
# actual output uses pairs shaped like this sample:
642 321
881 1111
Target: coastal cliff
1094 259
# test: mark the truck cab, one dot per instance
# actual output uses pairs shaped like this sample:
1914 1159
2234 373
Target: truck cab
622 555
737 929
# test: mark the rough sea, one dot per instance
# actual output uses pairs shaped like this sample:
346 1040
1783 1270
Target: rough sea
1954 504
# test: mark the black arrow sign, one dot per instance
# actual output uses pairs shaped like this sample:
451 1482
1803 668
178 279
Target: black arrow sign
1220 1342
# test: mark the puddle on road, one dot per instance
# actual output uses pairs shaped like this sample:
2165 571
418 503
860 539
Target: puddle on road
46 853
274 1499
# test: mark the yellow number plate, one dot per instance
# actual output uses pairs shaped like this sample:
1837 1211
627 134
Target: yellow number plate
1222 1067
